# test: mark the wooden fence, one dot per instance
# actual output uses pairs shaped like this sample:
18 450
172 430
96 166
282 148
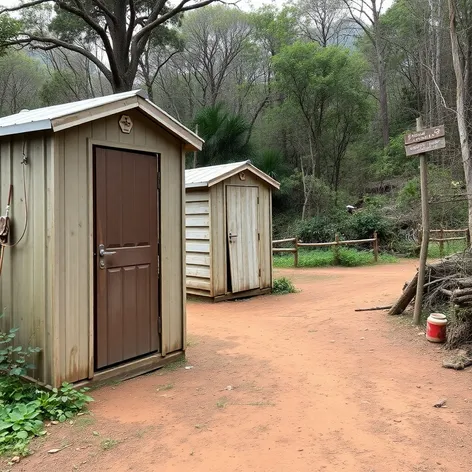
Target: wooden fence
441 236
334 244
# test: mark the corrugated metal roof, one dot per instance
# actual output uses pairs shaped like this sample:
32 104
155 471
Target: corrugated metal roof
208 176
46 118
41 118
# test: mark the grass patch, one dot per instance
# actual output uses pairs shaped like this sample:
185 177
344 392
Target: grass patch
84 421
450 247
222 402
348 257
282 286
108 444
180 363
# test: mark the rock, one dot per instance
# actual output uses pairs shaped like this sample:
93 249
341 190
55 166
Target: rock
188 367
229 387
15 459
54 451
54 422
440 404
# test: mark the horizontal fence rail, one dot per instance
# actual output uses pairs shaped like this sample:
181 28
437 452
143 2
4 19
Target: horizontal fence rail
334 244
441 236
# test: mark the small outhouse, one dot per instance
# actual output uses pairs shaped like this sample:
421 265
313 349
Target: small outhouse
95 277
228 214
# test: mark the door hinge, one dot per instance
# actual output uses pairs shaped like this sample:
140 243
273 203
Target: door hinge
258 236
158 180
159 324
258 200
260 272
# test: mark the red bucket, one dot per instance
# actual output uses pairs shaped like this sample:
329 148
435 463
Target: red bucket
436 328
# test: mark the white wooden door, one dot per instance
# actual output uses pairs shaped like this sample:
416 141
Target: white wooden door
243 237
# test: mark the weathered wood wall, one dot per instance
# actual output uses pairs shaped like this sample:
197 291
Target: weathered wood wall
197 235
26 279
47 285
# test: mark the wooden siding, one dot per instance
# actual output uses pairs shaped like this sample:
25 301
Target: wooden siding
197 236
25 282
218 222
74 235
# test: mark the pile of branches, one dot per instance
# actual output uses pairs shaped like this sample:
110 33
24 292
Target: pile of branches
449 280
448 284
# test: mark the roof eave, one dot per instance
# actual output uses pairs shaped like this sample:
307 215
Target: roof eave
25 127
246 166
197 185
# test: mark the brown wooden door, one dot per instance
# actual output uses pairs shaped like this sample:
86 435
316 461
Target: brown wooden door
127 279
242 221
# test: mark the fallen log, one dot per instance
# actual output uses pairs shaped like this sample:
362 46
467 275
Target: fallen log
461 300
465 282
375 308
407 296
462 292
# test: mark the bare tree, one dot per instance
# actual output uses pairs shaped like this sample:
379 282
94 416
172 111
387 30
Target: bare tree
461 55
366 13
323 21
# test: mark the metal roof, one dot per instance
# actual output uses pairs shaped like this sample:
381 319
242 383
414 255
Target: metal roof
208 176
54 117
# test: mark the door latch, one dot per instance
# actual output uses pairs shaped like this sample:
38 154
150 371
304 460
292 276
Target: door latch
231 236
103 252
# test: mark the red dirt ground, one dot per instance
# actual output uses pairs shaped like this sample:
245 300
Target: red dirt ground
314 387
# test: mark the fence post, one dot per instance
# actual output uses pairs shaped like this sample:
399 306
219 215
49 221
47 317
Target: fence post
295 254
336 249
441 242
376 247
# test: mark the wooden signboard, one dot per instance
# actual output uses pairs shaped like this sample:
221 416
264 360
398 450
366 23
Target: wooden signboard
424 135
425 146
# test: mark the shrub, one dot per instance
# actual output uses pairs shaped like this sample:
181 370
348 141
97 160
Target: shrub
23 405
282 286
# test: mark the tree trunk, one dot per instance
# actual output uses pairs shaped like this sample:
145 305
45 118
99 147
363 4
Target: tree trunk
383 98
461 92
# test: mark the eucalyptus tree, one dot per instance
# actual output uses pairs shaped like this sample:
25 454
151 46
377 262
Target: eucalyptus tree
121 28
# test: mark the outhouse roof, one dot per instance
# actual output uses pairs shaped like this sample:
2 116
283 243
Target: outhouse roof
208 176
68 115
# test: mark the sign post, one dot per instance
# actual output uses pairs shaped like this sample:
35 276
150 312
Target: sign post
418 143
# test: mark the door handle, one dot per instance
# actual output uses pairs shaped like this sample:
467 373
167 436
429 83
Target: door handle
103 252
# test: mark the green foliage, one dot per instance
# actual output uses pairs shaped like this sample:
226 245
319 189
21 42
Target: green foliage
14 359
224 135
325 84
271 161
319 229
360 225
9 28
23 405
347 257
282 286
274 28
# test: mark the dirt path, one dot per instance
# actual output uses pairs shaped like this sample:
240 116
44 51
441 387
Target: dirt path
314 387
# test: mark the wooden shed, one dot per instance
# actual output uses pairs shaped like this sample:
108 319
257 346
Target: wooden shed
228 215
97 279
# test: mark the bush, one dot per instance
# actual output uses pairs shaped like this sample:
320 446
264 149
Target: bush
282 286
23 405
362 225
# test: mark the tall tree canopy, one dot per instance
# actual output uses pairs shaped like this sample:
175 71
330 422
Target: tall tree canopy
120 28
